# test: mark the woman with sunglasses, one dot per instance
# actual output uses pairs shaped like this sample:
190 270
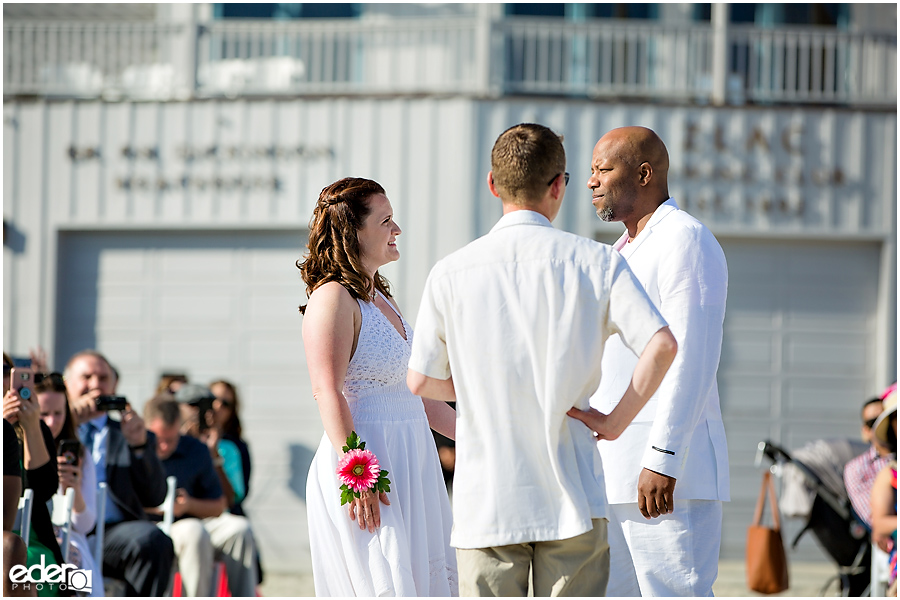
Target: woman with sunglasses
76 471
232 447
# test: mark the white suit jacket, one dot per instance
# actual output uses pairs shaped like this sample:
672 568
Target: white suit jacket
679 432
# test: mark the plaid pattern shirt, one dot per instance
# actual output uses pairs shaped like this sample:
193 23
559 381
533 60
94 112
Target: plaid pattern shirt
859 475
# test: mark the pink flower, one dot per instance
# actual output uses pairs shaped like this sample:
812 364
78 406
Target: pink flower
358 470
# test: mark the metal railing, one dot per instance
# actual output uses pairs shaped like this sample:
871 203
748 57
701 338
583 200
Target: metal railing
605 58
340 57
808 65
88 59
597 58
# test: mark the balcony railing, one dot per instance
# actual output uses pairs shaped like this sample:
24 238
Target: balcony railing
598 58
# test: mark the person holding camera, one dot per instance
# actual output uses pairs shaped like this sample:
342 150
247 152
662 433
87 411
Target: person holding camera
39 472
124 455
203 529
76 471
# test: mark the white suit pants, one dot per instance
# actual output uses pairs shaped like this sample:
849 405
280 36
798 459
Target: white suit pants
673 555
227 537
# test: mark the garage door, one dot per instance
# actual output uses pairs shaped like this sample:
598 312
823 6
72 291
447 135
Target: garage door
798 356
214 305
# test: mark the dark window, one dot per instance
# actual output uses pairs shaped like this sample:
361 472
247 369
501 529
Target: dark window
771 14
285 11
742 13
536 10
621 10
703 12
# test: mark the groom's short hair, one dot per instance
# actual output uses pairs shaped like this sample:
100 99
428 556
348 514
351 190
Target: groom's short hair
525 158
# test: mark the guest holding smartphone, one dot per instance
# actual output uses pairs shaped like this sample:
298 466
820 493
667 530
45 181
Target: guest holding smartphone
39 472
76 471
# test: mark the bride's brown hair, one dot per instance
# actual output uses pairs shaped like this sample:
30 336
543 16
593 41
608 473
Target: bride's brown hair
333 242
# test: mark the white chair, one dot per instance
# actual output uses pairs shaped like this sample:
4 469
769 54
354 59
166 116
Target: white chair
100 528
23 515
168 505
880 572
62 516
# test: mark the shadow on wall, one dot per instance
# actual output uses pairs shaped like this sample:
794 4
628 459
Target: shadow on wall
13 237
301 459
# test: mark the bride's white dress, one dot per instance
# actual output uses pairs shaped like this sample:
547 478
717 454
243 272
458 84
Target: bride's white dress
410 554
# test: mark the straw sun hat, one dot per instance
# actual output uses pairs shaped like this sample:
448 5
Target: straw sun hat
880 428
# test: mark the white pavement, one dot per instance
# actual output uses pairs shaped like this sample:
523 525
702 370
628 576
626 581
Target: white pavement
807 579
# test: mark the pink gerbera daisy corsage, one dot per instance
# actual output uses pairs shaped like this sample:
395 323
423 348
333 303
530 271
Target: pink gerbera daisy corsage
359 471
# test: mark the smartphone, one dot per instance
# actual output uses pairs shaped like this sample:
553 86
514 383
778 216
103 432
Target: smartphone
106 403
22 380
71 449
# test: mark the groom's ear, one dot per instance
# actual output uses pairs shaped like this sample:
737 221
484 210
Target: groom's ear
490 182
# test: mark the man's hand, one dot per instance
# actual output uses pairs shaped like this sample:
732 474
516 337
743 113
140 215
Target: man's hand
39 363
182 503
656 494
133 428
84 408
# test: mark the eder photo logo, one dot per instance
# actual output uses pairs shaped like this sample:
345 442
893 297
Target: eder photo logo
63 577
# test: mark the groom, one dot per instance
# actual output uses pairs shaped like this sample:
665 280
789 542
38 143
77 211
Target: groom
512 327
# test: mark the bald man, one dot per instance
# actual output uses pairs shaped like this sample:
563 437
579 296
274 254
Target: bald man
667 474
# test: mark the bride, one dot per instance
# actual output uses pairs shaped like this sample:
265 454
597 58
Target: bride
357 347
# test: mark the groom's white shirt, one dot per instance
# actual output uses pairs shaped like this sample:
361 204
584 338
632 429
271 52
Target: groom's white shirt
679 432
519 318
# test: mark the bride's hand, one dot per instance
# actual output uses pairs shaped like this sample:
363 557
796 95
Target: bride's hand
366 511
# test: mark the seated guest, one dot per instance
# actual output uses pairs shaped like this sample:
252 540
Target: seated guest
202 529
228 426
14 550
859 473
884 490
229 431
76 471
170 382
124 456
38 453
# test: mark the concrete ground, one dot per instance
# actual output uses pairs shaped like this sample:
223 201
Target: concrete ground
807 579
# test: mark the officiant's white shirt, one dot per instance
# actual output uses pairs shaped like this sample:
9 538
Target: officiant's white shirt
519 318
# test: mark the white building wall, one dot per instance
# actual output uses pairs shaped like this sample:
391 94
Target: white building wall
100 185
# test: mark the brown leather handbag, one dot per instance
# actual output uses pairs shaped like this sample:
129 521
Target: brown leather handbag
767 570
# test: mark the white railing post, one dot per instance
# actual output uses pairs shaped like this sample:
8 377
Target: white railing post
181 46
719 48
488 59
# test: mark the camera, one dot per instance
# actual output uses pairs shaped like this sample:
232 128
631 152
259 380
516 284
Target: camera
107 403
199 397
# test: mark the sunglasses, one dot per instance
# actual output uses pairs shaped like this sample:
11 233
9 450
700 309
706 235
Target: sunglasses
565 178
870 422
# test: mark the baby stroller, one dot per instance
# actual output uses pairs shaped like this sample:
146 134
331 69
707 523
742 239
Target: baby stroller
813 488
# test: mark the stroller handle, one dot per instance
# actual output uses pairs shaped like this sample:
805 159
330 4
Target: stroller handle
775 453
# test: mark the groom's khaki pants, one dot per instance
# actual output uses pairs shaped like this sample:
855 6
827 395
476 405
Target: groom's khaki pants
577 566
